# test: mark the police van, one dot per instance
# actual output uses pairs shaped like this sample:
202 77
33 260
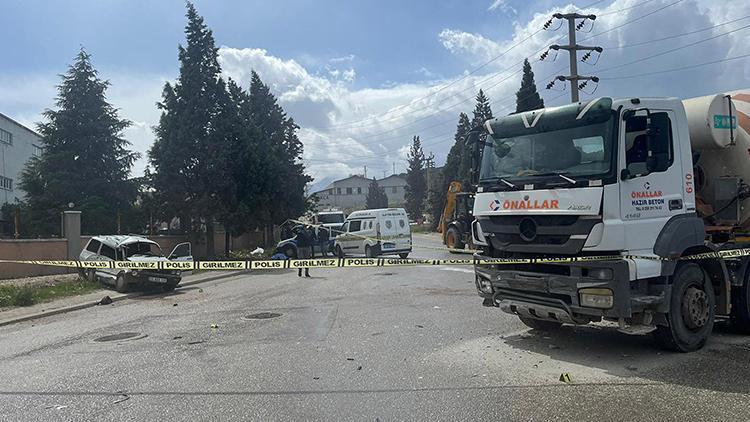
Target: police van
377 232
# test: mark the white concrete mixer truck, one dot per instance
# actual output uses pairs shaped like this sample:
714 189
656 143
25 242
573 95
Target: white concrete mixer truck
653 181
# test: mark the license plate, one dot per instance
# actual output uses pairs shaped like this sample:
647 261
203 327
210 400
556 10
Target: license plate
388 246
157 279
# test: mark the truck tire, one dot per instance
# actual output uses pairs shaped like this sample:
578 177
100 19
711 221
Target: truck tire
691 311
453 239
740 316
121 284
540 324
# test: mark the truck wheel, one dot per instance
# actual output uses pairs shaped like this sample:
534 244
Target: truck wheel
339 252
691 311
121 285
453 239
540 324
740 316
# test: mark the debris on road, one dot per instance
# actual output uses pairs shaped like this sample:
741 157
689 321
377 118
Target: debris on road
214 325
176 337
419 326
553 346
359 368
631 368
565 377
123 397
106 300
174 304
349 358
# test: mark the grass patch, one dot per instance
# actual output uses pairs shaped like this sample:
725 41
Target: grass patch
11 295
422 228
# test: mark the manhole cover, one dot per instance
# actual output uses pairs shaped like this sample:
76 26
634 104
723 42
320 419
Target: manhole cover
120 337
263 315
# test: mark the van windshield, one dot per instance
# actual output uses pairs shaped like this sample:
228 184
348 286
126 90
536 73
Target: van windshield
330 218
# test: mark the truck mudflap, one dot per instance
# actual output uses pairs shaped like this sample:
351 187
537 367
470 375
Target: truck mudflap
552 291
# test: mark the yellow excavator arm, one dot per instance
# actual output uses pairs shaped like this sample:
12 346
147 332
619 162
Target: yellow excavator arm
450 205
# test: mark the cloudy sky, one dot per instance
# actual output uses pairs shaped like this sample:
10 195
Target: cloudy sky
361 78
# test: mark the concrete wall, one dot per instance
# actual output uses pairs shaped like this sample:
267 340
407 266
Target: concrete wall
13 157
32 249
338 195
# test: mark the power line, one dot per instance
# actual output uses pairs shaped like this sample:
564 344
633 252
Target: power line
633 20
481 66
677 69
611 12
677 35
671 50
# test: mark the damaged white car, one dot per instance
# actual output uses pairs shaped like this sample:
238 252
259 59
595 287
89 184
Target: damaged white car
137 249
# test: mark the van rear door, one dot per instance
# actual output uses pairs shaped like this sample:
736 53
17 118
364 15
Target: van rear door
396 232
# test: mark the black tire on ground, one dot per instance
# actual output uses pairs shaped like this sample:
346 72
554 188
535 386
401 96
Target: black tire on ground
290 252
540 324
740 316
121 284
91 275
339 252
691 311
453 239
403 255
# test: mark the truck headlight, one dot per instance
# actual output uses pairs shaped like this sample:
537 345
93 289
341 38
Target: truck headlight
596 298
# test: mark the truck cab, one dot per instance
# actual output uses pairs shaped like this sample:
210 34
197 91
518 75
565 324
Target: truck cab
599 178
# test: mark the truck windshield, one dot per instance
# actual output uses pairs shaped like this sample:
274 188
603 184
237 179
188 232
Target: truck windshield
575 151
330 218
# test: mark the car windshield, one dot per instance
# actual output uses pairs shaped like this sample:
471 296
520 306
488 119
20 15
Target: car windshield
577 151
330 218
141 249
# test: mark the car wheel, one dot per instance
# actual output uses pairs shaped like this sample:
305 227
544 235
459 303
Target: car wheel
91 275
403 255
290 252
121 284
690 318
540 324
339 252
368 252
453 239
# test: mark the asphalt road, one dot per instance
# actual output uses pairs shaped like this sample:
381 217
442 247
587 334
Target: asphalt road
407 343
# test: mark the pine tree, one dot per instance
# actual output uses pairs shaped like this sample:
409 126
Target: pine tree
482 113
85 160
416 183
450 171
527 97
376 197
482 110
191 154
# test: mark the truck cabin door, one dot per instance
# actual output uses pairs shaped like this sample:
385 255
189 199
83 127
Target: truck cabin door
651 175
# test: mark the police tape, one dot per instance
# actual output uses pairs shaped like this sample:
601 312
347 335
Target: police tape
357 262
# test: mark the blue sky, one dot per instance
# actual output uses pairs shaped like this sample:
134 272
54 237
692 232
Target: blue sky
358 75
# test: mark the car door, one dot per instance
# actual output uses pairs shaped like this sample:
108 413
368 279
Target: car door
108 253
182 252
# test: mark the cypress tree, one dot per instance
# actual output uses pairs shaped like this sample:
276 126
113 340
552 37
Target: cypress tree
416 183
376 196
85 160
527 97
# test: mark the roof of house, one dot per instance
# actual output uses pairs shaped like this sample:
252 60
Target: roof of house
20 125
357 176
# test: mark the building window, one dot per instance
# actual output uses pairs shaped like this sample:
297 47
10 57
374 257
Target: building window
36 150
348 191
338 191
6 184
6 137
359 191
394 189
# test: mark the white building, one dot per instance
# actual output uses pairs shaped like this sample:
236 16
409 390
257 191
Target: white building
350 194
17 145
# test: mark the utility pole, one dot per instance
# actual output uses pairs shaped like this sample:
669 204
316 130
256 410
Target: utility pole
365 172
394 168
572 48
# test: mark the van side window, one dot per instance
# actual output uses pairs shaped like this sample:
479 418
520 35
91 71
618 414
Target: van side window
93 246
661 142
354 225
108 252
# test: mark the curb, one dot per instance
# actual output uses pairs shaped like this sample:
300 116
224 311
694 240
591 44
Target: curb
115 298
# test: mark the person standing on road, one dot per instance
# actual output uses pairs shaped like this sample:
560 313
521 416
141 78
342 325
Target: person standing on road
304 247
323 236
